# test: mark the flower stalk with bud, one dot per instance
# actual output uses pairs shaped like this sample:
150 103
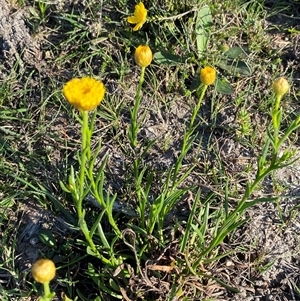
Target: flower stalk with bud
267 163
280 87
207 78
43 271
143 58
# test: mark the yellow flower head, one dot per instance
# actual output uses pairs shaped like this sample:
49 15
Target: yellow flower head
85 93
43 270
207 75
281 86
143 55
139 17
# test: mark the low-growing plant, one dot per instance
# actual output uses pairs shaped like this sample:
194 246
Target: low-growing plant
120 245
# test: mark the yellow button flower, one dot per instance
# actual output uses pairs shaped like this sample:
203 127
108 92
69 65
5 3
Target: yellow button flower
281 86
85 93
143 56
43 270
139 17
207 75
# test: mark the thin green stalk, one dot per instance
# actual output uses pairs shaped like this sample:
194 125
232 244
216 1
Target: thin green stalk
277 102
84 144
186 144
184 148
133 132
134 123
197 108
276 118
47 296
46 290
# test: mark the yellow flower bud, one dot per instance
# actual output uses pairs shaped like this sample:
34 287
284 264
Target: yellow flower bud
143 56
281 86
207 75
43 270
85 93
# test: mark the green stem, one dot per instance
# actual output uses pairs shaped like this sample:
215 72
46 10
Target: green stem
84 145
134 122
197 108
276 118
85 148
46 289
277 102
86 233
47 296
185 144
133 132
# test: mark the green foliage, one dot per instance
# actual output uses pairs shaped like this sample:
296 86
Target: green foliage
233 62
120 207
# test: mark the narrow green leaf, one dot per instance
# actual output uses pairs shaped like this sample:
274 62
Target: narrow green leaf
230 288
91 252
95 225
186 235
254 202
46 237
64 187
7 202
103 237
114 285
